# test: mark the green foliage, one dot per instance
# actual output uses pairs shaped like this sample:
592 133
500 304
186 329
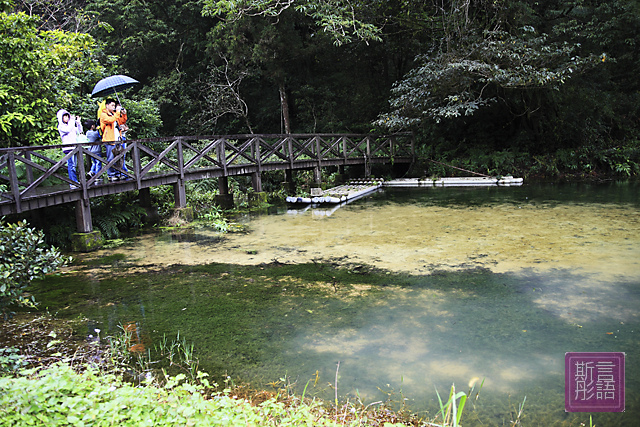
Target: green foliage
340 19
215 219
161 45
513 76
60 396
41 71
10 361
163 198
23 257
143 119
113 214
589 161
454 84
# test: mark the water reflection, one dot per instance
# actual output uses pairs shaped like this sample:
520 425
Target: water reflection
505 282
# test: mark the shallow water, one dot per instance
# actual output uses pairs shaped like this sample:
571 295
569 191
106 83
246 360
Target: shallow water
484 283
406 230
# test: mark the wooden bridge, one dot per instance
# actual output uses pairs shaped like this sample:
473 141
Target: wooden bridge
36 177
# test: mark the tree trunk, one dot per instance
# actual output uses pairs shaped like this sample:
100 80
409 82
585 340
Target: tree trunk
284 102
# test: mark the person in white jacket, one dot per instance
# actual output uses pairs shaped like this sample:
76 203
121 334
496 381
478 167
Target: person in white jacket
69 130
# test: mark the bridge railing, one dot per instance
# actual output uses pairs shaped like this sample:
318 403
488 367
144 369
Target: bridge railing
28 173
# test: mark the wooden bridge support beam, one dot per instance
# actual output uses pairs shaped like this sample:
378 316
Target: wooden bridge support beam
258 197
180 209
83 216
144 195
224 199
256 182
316 187
340 177
223 185
367 168
180 194
288 183
86 239
317 176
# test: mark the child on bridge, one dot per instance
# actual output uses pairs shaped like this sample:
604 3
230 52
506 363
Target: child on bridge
69 129
94 136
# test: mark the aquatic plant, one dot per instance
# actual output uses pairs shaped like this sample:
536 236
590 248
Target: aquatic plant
130 355
451 412
214 218
518 414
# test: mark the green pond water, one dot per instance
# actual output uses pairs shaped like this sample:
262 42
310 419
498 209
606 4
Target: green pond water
409 290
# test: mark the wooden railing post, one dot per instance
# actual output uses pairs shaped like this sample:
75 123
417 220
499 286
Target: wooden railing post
13 178
367 158
179 190
222 155
224 199
392 144
317 171
290 149
135 158
180 159
27 156
82 176
344 148
256 177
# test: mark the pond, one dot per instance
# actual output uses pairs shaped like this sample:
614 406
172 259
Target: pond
398 294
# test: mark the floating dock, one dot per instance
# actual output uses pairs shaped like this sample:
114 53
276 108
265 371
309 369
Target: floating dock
343 193
359 188
480 181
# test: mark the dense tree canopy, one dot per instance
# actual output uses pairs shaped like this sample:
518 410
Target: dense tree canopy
532 79
41 69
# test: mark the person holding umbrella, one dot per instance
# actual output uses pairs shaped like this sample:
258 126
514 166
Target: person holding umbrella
111 118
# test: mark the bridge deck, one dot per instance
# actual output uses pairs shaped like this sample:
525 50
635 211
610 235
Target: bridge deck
36 177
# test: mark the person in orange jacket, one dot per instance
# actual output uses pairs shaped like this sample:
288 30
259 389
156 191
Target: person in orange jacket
111 118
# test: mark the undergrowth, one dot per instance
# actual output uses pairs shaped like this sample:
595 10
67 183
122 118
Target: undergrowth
119 380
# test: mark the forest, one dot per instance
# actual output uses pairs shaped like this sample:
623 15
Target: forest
539 89
543 89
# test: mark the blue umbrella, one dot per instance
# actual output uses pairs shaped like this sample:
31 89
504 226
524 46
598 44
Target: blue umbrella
113 84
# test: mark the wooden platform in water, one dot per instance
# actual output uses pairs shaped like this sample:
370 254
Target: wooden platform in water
471 181
358 188
343 193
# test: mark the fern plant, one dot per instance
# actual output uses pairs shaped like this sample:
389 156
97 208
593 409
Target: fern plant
113 214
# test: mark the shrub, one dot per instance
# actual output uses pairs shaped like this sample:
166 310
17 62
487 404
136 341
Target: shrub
60 396
23 257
